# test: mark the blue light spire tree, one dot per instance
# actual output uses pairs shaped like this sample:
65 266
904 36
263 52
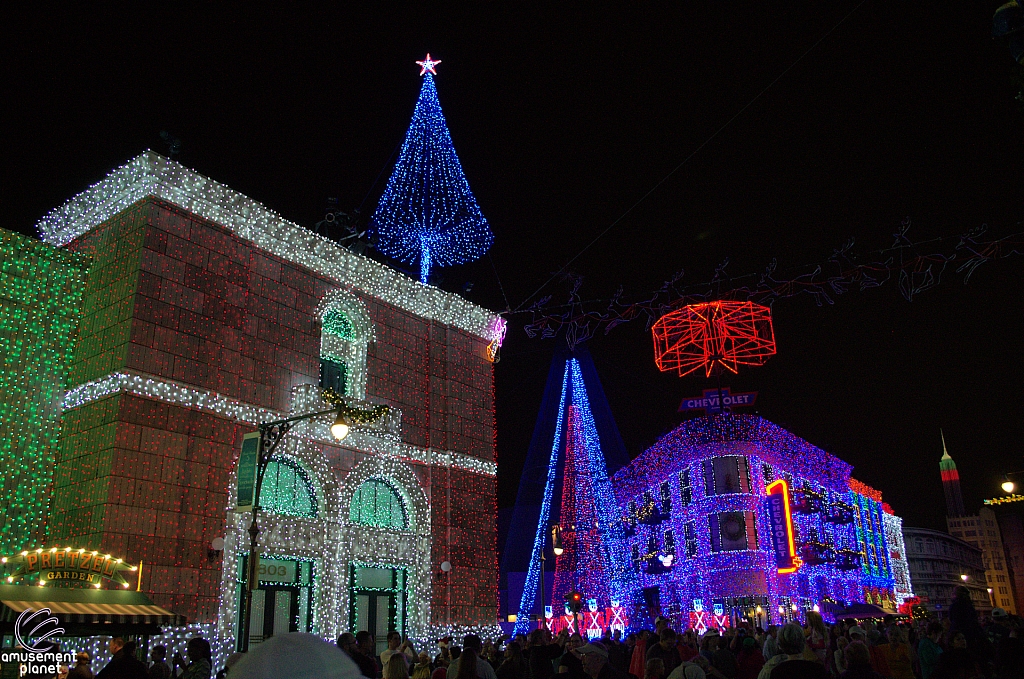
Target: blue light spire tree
428 213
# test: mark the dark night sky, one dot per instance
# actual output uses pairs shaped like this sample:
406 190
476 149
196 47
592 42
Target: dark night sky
562 120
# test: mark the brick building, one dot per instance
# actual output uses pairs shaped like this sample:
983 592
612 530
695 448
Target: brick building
204 314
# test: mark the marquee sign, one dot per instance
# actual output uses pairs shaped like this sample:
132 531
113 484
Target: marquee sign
67 567
709 402
780 521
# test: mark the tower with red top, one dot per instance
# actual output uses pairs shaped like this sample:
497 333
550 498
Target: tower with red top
950 482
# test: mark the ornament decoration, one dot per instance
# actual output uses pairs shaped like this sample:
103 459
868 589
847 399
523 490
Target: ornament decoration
427 214
715 336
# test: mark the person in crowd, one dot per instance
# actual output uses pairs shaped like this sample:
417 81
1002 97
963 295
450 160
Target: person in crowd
514 664
963 617
595 662
858 662
465 666
749 661
82 669
687 646
817 637
570 664
158 668
397 667
665 650
396 645
124 664
898 657
490 654
929 650
200 660
839 655
655 669
472 647
423 667
958 663
540 653
690 669
722 662
876 648
355 645
789 662
771 644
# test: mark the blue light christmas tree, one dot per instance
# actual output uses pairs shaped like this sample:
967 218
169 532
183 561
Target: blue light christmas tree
428 213
595 558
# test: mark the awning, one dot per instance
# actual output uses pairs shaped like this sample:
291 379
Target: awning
85 607
864 611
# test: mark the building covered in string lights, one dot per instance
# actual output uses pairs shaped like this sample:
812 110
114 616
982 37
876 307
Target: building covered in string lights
205 314
730 517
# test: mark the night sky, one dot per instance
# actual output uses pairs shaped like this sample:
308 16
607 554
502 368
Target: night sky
563 121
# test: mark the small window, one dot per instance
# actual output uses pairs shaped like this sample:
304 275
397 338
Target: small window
376 503
732 531
666 498
768 473
685 490
670 542
336 322
690 535
636 553
333 375
287 490
726 475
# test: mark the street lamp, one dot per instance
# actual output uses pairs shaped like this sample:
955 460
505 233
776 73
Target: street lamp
1008 485
556 547
271 434
963 576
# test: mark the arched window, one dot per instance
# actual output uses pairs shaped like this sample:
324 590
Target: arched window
287 489
345 331
377 503
335 351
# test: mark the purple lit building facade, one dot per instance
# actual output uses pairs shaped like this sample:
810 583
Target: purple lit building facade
697 526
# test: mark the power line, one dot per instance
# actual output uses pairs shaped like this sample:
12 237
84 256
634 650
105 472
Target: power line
692 154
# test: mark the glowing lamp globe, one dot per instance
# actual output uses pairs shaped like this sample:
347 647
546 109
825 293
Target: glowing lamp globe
340 428
1008 486
715 336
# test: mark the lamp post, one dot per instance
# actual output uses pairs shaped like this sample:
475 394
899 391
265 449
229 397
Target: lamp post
556 547
271 434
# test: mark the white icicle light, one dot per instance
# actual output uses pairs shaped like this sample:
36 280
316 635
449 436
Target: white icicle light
151 174
312 430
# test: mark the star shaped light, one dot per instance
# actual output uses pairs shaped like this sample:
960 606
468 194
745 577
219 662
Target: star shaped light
428 64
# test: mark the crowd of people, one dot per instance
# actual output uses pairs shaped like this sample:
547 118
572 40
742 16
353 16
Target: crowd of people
959 647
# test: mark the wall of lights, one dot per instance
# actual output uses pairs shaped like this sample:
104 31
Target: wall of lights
195 331
40 309
697 525
427 214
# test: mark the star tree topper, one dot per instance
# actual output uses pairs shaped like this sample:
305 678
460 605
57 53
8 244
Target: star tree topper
428 64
